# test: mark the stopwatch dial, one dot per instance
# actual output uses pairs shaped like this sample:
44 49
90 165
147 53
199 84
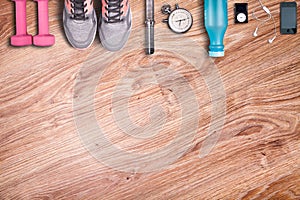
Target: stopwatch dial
180 20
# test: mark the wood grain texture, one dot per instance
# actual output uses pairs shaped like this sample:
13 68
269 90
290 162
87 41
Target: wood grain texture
257 156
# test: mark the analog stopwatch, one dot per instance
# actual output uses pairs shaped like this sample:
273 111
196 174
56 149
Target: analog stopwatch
180 20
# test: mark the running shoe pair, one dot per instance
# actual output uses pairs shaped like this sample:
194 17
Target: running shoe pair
80 23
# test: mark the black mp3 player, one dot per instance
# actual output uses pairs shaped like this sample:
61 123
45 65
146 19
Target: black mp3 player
241 13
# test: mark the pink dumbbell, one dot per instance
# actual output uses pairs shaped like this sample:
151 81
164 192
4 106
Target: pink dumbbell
43 38
22 38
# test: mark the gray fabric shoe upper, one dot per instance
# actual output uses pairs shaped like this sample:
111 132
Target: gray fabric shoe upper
80 33
114 36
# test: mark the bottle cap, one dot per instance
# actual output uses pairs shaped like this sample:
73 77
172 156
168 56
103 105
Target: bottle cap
216 53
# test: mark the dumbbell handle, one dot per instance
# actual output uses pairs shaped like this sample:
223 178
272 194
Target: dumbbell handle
21 26
43 17
43 38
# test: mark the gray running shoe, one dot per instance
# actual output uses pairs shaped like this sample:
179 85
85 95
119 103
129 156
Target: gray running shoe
80 22
114 24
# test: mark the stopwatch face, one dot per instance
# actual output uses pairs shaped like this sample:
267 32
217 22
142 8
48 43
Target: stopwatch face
180 20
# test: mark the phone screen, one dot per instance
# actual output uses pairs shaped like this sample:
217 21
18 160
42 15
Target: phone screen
288 17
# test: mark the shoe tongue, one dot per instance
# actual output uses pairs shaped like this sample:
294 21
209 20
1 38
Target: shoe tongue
113 2
111 14
78 5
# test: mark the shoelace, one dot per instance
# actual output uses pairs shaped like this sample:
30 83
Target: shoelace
114 11
78 9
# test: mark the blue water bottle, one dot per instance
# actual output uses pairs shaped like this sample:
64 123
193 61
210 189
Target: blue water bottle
216 22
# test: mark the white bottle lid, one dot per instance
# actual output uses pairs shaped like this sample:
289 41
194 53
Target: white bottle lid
216 53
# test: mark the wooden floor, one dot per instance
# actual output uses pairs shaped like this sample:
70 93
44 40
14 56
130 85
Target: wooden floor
43 156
